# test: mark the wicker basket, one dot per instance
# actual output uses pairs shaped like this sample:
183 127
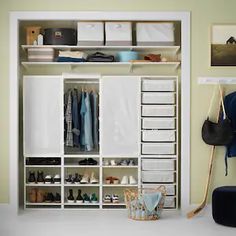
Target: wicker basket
136 207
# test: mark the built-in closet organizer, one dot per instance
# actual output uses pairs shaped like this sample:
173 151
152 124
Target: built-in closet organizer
136 119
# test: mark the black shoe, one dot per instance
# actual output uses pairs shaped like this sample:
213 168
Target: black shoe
77 178
69 179
49 198
40 178
231 40
91 161
79 198
71 198
57 198
31 178
83 162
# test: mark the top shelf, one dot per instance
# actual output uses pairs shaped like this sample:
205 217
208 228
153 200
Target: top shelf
136 48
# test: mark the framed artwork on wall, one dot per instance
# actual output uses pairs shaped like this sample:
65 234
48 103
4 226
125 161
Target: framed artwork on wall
223 45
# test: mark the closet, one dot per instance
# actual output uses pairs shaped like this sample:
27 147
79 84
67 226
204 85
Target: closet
133 129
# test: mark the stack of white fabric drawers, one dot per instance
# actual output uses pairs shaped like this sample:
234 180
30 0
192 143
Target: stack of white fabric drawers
159 135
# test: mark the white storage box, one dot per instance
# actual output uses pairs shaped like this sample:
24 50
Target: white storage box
158 148
169 202
170 188
155 34
158 85
158 110
158 123
158 136
158 98
38 54
90 33
118 33
159 164
158 176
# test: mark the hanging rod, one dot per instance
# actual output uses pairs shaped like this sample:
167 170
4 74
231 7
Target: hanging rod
82 82
216 80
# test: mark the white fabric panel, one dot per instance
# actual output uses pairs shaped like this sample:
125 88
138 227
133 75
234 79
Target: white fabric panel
120 116
43 110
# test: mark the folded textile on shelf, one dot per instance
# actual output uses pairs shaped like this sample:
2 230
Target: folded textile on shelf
72 56
100 57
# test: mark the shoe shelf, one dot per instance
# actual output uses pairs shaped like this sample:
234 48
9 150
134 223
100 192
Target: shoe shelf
120 185
119 166
43 166
81 204
43 204
113 204
81 166
42 185
85 155
81 185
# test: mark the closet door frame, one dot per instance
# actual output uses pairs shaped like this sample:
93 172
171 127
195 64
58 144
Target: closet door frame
14 77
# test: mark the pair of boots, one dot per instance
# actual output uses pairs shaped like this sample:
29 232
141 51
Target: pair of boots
36 195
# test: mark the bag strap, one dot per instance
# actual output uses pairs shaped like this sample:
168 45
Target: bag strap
221 99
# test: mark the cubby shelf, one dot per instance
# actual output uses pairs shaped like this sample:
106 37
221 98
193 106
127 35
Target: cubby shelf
42 185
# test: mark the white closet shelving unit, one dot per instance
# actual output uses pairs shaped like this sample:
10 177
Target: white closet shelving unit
38 115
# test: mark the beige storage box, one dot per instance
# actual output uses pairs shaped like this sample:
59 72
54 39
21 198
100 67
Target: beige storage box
158 148
118 33
155 34
37 54
170 188
158 135
159 164
169 202
90 33
158 110
158 176
155 85
158 123
158 98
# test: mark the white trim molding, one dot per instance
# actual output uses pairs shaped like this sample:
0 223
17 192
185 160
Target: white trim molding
16 17
217 80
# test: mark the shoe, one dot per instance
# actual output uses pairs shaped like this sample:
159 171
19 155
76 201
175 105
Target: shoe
107 198
106 163
57 198
69 179
115 180
231 40
79 198
94 198
124 163
70 198
57 179
91 161
40 178
33 195
93 179
131 163
48 179
115 198
86 198
40 196
109 180
124 180
113 163
49 198
31 178
132 180
77 178
83 162
85 179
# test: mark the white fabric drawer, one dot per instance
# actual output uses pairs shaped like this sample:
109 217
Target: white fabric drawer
169 202
158 148
41 54
118 33
90 33
158 164
155 34
158 110
158 123
170 188
158 176
158 98
158 136
156 85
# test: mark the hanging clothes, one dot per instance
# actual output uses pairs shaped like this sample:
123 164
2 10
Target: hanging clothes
75 118
69 135
94 108
83 111
88 135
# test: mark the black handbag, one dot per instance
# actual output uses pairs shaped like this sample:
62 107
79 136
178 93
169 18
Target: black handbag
218 134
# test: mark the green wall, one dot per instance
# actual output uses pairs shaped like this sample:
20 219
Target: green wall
203 14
